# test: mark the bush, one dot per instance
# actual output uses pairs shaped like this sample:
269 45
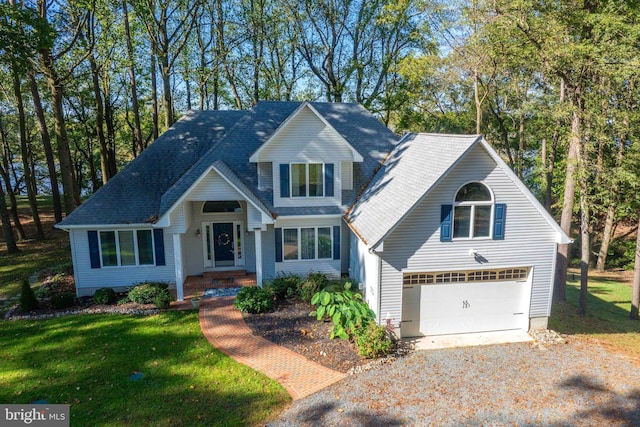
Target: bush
373 341
313 283
124 300
286 286
346 309
28 300
254 299
104 296
146 293
163 300
64 299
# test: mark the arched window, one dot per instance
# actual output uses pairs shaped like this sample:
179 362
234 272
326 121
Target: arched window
472 211
223 206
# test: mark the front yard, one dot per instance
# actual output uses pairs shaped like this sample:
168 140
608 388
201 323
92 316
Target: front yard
93 363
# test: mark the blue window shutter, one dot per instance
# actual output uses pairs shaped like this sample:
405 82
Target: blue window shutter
278 244
94 250
328 180
336 242
499 216
284 180
446 223
158 243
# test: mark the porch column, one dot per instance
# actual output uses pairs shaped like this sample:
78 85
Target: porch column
177 259
257 233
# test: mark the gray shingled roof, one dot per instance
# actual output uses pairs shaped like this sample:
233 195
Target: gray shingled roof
133 195
151 184
415 166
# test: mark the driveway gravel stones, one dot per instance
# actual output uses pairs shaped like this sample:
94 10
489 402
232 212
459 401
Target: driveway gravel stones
573 384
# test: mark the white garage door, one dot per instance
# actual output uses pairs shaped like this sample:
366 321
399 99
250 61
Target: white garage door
463 302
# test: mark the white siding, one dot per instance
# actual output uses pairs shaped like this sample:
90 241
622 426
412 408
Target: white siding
346 170
88 279
330 267
265 176
254 217
306 139
415 245
178 219
214 187
364 269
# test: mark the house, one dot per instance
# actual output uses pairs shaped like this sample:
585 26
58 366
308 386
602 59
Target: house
293 187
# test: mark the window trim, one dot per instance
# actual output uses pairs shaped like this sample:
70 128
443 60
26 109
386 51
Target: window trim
135 247
299 243
472 205
306 168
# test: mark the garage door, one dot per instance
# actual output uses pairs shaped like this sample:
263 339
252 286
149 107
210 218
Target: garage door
462 302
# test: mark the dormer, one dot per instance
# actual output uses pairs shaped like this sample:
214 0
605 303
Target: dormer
306 161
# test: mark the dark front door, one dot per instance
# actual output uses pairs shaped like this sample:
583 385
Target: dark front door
223 244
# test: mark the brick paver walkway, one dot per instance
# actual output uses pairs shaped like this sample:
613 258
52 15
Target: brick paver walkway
225 328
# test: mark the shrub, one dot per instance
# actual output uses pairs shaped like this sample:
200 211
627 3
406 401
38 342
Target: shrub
146 293
64 299
254 299
345 308
124 300
163 300
28 300
104 296
286 286
373 341
313 283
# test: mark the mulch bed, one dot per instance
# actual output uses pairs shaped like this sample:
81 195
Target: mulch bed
290 326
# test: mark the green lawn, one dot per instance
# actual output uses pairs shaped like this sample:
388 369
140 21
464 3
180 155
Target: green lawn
86 361
607 316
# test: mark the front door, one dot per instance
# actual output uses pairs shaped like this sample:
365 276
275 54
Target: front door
223 247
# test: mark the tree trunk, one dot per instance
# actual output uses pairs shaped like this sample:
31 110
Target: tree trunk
4 170
635 293
71 193
552 158
585 249
167 99
48 149
102 142
154 95
28 177
137 129
607 233
7 231
559 290
476 98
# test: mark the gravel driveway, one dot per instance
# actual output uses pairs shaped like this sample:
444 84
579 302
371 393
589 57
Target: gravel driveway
574 384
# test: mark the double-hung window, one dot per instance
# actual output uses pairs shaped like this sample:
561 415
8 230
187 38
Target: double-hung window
472 212
307 180
307 243
126 247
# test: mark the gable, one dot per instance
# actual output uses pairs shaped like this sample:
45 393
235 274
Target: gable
305 136
523 221
417 165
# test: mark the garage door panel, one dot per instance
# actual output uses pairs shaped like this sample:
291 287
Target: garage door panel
464 307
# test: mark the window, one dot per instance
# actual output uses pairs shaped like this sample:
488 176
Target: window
472 212
307 243
508 274
307 179
126 247
221 207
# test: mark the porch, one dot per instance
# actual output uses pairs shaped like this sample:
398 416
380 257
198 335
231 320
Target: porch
212 279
